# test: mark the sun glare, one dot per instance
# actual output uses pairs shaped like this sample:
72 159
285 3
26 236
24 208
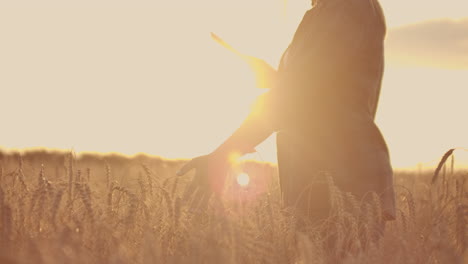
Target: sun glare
234 157
243 179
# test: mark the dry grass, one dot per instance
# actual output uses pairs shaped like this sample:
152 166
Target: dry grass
116 209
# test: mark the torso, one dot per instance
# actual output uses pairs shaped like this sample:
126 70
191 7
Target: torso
328 106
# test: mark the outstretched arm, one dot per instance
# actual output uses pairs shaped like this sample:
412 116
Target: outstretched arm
258 126
254 130
212 169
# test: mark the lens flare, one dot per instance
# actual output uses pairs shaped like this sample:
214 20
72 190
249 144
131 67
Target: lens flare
243 179
234 158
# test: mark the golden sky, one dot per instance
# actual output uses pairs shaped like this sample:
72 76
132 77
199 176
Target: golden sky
144 76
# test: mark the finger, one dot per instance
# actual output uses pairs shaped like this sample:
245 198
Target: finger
186 168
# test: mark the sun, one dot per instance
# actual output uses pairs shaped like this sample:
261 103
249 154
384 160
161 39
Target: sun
243 179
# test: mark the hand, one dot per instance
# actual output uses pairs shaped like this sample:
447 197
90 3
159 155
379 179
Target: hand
211 172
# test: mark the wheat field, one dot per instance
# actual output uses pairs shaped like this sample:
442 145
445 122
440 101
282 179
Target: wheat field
60 207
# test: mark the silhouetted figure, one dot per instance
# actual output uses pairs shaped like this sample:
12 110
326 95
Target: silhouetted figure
322 106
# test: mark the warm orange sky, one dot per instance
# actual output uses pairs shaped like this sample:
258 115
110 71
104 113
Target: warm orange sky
144 76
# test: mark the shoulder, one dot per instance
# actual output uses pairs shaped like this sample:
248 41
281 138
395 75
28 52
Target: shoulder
358 5
368 9
356 13
364 9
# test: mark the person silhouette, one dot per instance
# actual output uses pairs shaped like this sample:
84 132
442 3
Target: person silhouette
322 105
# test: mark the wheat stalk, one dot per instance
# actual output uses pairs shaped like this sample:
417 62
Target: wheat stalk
441 164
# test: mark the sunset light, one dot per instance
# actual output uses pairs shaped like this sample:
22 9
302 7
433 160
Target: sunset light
247 131
234 157
155 76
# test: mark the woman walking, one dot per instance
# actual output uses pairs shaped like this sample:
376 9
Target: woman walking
322 104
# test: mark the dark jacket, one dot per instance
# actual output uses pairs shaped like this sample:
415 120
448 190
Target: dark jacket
324 105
